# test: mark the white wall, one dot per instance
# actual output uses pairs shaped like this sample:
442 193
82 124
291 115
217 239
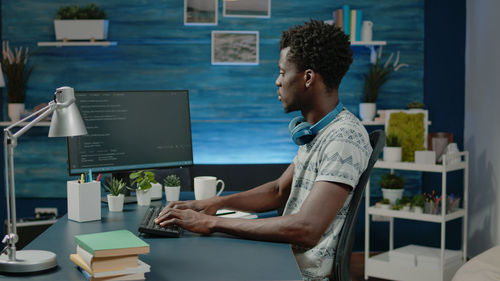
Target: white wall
482 123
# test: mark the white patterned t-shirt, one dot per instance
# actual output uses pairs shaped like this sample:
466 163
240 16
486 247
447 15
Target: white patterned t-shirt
339 153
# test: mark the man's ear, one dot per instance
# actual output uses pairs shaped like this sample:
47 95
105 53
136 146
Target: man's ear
309 77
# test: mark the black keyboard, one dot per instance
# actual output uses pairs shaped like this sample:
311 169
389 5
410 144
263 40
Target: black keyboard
148 226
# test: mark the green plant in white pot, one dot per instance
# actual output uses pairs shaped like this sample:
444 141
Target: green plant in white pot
376 76
143 181
392 149
392 186
81 23
115 197
172 185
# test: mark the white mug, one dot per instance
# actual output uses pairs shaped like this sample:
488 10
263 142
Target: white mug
367 31
206 187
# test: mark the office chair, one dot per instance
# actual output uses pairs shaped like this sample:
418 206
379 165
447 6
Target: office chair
342 263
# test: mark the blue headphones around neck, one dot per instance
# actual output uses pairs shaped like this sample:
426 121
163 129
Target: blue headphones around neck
303 132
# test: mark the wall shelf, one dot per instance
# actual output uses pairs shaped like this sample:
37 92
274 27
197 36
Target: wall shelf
368 43
77 44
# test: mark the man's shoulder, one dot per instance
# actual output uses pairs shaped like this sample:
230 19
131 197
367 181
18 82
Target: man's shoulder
347 126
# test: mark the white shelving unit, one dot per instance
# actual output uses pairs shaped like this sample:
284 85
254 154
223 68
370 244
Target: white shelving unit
381 265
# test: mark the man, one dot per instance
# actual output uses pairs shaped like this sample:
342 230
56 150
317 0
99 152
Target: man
316 187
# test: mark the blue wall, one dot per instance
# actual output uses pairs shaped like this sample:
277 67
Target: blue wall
236 115
234 109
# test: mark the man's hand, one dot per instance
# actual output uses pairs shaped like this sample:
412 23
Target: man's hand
188 219
207 206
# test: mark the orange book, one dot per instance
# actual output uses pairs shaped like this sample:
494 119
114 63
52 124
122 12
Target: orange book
106 263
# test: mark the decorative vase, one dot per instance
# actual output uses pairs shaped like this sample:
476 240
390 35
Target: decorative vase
392 153
81 29
115 203
156 192
367 111
15 110
143 197
172 193
392 194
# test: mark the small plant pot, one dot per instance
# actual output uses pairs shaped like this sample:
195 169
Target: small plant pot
115 203
418 210
143 197
81 29
385 206
172 193
15 110
406 208
156 192
367 111
392 153
392 194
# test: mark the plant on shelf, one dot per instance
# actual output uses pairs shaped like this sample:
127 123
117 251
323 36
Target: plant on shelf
115 197
91 11
384 203
81 23
143 181
415 105
392 186
376 76
392 149
418 202
172 187
17 72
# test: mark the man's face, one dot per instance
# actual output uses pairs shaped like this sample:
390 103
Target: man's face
290 83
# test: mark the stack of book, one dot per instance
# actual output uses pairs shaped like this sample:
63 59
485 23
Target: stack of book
349 20
110 256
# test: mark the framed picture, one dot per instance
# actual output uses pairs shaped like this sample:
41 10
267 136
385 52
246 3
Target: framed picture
235 47
200 12
247 8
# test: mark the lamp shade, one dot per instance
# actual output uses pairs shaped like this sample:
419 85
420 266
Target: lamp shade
66 119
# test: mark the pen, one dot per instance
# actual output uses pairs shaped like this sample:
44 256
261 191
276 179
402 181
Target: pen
98 177
90 175
82 179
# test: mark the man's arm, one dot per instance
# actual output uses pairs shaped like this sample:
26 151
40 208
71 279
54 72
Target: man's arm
268 196
303 228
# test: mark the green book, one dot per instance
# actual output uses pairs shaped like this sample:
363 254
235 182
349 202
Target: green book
112 243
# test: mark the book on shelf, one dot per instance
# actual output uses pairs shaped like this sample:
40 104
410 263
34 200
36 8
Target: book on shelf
112 243
140 268
359 24
127 277
346 10
338 18
353 34
106 263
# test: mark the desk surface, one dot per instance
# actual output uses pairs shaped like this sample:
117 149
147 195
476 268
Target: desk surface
191 257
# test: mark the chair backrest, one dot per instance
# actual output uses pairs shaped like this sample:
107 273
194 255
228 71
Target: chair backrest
341 267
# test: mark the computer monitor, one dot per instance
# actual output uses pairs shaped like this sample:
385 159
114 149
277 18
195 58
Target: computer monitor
131 130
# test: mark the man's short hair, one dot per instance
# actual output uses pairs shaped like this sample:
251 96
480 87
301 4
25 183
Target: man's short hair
321 47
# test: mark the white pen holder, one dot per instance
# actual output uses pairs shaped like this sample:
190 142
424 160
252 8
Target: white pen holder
84 201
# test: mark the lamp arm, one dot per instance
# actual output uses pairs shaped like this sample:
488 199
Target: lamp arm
46 111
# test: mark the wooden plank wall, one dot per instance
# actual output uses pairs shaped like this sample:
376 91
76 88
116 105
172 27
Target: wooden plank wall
235 112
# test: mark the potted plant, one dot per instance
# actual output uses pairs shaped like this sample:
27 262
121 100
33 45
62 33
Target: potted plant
17 73
392 149
172 187
418 202
143 180
377 75
385 204
81 23
405 203
392 186
115 197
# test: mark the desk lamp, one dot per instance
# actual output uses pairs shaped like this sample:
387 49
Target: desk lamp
66 121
